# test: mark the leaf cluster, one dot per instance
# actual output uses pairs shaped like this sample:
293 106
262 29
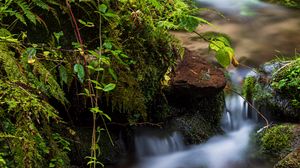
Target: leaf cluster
287 81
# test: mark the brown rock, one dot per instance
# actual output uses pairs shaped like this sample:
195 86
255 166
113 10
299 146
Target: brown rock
195 75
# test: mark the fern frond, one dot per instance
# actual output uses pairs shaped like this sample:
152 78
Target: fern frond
48 80
41 4
26 10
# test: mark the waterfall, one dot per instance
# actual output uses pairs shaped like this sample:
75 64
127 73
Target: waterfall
153 145
168 150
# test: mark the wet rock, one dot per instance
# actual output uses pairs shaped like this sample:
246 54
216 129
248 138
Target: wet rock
196 98
195 76
292 160
81 145
274 103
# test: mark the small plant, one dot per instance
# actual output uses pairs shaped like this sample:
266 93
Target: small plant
287 81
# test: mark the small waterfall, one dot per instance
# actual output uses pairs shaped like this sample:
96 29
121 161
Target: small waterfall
151 144
223 151
236 113
218 152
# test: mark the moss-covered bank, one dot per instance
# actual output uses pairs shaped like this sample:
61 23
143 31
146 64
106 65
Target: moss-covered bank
287 3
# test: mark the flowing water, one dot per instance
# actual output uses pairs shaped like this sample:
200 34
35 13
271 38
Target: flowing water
154 150
258 31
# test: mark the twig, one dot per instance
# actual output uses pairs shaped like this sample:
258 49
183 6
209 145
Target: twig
258 112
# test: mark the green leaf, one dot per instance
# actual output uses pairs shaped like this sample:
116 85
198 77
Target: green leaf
105 115
20 18
79 70
112 73
111 15
223 57
107 45
230 52
216 45
63 75
87 24
190 23
29 55
109 87
58 35
95 82
51 164
224 40
95 110
102 8
41 4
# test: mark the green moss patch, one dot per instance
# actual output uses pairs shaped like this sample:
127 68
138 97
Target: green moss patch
277 140
286 3
287 82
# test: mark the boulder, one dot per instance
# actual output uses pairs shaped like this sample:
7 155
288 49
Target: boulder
196 97
275 103
292 160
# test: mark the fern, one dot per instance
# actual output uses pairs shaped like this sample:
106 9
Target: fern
41 4
26 10
48 82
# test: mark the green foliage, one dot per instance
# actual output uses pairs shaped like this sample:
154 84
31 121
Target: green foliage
277 139
223 49
287 81
79 71
24 127
120 53
248 87
25 84
287 3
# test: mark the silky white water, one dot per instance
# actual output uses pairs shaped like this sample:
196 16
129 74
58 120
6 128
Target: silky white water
218 152
221 151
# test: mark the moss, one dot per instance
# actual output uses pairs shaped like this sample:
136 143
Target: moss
287 3
292 160
287 82
248 87
277 140
201 119
25 134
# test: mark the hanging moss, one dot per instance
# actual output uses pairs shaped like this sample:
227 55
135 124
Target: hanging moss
25 134
26 137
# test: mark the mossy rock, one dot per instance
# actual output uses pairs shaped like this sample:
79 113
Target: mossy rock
292 160
277 140
108 153
200 120
286 3
275 90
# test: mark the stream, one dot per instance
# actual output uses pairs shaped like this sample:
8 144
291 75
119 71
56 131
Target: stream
259 32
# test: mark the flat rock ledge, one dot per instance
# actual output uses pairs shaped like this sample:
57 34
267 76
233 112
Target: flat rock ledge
195 76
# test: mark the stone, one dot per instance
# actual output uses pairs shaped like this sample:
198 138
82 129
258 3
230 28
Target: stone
196 98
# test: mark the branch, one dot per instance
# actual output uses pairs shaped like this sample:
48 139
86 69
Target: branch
258 112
